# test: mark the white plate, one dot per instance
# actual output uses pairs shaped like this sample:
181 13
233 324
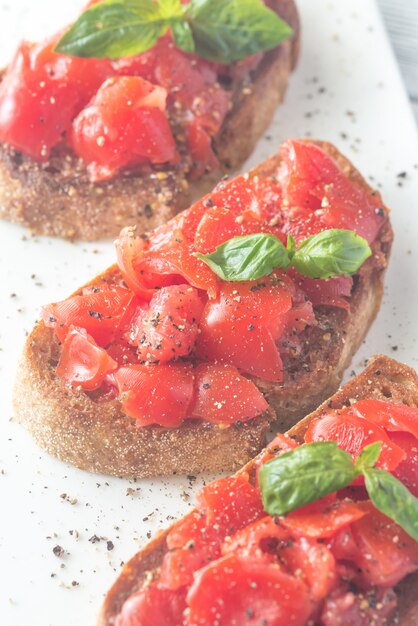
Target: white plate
347 90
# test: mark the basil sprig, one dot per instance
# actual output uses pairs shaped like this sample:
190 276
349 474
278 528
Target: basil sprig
220 30
317 469
333 252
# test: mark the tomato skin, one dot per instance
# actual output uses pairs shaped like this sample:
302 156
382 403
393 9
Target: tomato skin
261 540
313 562
346 608
192 545
41 94
124 125
329 292
82 362
153 606
382 551
323 518
240 327
156 394
102 312
225 397
203 157
391 417
196 540
268 540
234 590
220 224
320 196
168 328
407 470
353 434
231 513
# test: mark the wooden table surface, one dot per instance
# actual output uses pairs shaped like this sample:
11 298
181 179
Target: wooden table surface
401 20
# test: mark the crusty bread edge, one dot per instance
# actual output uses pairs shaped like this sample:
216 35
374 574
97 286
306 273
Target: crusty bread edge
385 379
69 206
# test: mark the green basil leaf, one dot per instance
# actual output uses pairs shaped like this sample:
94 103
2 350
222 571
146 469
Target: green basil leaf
183 36
247 258
291 246
393 499
368 456
304 475
114 29
171 9
228 30
331 253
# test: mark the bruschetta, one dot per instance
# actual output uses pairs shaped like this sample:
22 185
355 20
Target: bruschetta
336 561
158 366
89 145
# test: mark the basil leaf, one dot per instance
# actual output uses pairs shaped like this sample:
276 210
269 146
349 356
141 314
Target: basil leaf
170 9
331 253
304 475
247 258
228 30
368 456
291 246
393 499
183 37
116 28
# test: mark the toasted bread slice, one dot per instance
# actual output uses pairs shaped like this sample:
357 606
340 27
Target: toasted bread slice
101 438
56 198
383 379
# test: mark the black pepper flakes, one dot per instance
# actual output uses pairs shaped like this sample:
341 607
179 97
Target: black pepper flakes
58 551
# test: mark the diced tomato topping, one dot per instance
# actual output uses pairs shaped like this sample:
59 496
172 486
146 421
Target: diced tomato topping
82 362
313 562
167 329
323 518
232 503
156 394
196 540
242 325
42 92
237 195
192 87
122 352
153 606
225 397
407 470
124 125
102 312
353 434
320 196
261 540
391 417
268 540
234 590
349 608
280 444
331 292
192 545
203 157
383 551
220 224
128 246
172 262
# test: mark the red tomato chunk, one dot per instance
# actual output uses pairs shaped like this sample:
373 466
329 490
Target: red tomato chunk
125 124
